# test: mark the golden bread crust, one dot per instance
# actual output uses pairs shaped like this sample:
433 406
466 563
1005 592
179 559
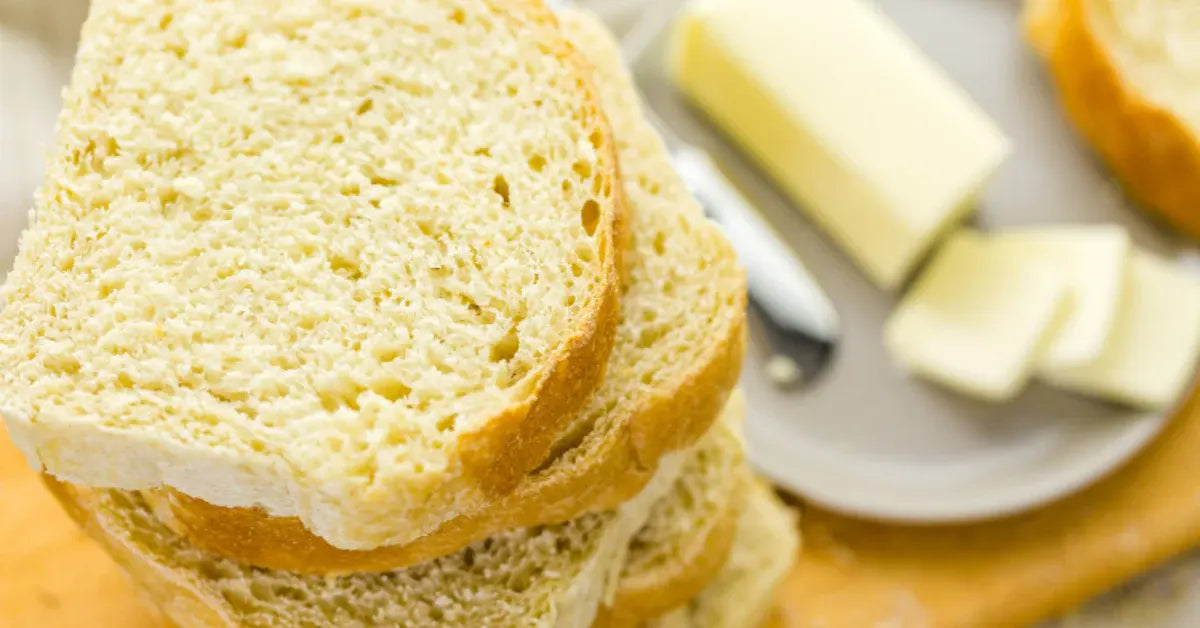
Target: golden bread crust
1149 148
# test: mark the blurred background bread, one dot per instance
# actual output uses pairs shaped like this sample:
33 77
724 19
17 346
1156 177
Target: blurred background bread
1128 75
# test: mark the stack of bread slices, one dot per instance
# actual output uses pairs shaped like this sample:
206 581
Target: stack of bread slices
384 313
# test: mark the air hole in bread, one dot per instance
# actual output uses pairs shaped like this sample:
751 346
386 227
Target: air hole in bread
582 169
63 364
650 336
387 353
262 591
364 107
590 216
584 252
506 347
109 286
382 181
165 22
500 187
336 392
537 163
458 16
576 270
446 423
237 43
230 396
346 267
660 243
390 388
521 582
597 139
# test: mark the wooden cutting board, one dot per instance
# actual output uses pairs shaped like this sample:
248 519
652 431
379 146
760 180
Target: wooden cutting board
51 574
851 573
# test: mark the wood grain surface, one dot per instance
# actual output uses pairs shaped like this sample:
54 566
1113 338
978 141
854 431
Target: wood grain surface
51 574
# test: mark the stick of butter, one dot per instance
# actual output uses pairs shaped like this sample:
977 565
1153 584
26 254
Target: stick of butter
1093 260
1151 354
977 317
846 114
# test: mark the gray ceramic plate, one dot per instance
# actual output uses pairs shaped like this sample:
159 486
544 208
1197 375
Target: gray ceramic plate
867 439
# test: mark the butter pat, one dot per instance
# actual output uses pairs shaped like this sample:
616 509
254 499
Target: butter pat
1150 357
847 116
1093 260
977 318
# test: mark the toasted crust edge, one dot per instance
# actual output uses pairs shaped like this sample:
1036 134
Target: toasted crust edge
1149 149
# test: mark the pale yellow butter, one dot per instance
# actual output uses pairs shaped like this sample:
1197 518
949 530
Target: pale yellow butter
1150 356
1093 260
977 318
846 114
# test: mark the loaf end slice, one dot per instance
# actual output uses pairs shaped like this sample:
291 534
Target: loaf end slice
1125 77
354 263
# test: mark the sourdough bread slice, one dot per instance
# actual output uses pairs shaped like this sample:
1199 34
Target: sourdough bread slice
678 352
684 542
742 594
537 576
1126 73
352 262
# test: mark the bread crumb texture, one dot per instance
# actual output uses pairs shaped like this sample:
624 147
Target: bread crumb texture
289 253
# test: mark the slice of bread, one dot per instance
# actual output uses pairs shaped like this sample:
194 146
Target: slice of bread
352 262
678 353
684 543
742 594
1126 73
538 576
